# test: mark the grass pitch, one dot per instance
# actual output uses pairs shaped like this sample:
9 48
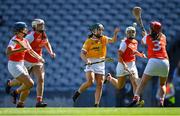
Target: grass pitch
89 111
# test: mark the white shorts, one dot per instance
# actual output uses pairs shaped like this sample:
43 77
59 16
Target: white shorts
98 68
17 68
121 72
157 67
29 65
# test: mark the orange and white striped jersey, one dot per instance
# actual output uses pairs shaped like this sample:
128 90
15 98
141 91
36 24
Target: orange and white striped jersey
37 42
19 56
156 48
128 47
96 48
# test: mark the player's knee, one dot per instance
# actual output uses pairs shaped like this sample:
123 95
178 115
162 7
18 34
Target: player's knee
119 87
163 86
99 86
30 84
26 92
40 79
90 82
100 83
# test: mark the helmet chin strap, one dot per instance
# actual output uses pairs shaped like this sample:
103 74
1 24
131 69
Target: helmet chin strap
154 35
41 31
24 34
131 38
98 36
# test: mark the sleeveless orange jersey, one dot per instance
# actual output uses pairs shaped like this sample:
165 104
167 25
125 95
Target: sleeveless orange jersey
37 42
129 53
95 48
19 56
156 48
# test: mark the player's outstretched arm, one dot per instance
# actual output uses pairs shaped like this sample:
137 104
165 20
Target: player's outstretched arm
35 55
10 50
49 49
114 38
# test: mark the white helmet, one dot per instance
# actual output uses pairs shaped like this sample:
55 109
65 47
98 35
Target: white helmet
37 22
131 31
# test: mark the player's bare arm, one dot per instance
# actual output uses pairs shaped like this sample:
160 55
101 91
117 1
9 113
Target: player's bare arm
49 49
144 33
114 38
121 60
84 58
10 50
35 55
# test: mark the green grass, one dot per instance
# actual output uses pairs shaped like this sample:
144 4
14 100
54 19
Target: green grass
89 111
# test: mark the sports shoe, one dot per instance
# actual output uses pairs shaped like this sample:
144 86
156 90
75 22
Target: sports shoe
75 96
140 103
135 101
41 104
133 104
96 105
19 105
14 95
161 103
7 87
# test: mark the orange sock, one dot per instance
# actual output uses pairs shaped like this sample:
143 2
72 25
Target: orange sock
136 98
39 98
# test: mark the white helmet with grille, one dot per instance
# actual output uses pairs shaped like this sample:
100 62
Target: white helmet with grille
37 22
131 30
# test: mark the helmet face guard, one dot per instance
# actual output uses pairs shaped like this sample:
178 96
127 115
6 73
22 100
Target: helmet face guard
38 25
131 32
97 30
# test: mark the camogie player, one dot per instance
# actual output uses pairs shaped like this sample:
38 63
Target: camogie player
158 64
94 50
16 50
126 62
38 39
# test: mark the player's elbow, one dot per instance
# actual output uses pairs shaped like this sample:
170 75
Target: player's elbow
113 40
83 54
7 52
142 43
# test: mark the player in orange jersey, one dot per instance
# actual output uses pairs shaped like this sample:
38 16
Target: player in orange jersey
158 64
16 50
94 50
38 39
126 62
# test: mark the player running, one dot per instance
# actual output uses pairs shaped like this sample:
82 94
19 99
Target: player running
94 50
38 39
126 62
158 64
16 50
